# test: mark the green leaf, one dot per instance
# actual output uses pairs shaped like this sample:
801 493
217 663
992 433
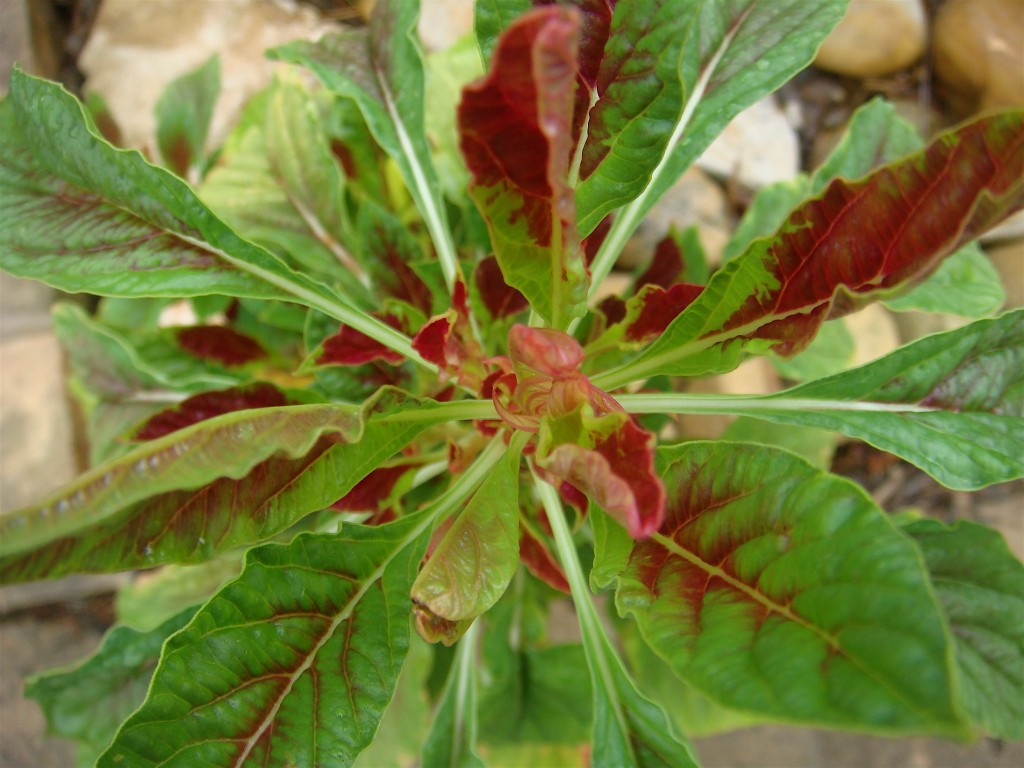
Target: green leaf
980 585
451 742
639 103
612 545
380 68
735 53
875 136
767 211
473 564
183 115
147 602
83 216
118 674
951 404
856 242
491 18
830 352
628 728
127 522
293 663
771 602
966 284
691 711
278 183
404 725
815 446
224 446
533 693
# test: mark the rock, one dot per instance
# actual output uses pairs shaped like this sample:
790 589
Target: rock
35 420
696 199
136 48
978 51
443 22
757 148
1008 259
874 38
15 43
1011 229
875 332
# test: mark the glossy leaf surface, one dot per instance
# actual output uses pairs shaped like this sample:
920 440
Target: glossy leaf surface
772 602
967 430
515 127
856 242
90 217
980 585
734 53
119 673
293 663
473 564
640 102
965 284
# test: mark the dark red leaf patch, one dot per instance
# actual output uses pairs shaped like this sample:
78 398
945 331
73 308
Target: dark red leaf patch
220 344
209 404
351 347
500 298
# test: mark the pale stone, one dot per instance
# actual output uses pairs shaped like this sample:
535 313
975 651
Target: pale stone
1011 229
874 38
979 53
758 147
444 22
137 48
1008 259
875 332
696 199
36 452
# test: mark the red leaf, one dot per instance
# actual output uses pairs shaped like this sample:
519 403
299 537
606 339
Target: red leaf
666 266
500 298
220 344
592 242
351 347
515 127
372 491
890 229
207 405
504 136
544 351
617 474
651 310
539 561
431 342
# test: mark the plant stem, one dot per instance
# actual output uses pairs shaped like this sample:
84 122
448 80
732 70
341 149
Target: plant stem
742 404
596 647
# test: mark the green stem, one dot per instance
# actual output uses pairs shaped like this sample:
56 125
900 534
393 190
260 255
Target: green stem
464 728
745 404
596 646
362 322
